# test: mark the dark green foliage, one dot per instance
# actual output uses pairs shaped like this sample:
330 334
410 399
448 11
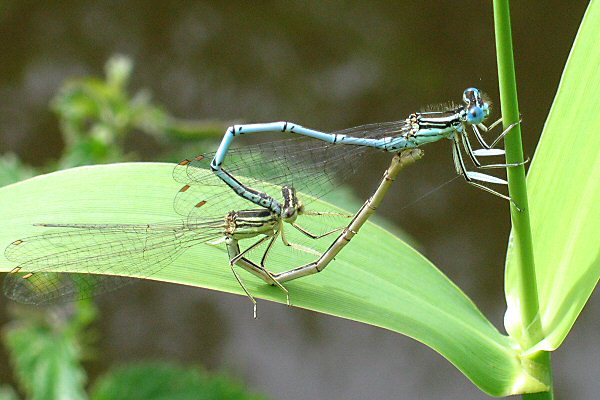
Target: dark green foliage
96 116
47 347
7 393
164 381
46 352
12 170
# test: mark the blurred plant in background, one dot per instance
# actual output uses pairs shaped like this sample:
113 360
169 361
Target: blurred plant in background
47 346
97 116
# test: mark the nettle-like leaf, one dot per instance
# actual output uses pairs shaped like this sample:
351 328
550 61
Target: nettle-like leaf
8 393
163 381
46 358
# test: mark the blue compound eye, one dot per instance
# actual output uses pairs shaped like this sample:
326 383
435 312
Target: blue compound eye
475 115
486 110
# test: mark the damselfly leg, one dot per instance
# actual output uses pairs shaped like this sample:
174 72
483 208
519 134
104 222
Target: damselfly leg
486 129
399 161
242 259
486 153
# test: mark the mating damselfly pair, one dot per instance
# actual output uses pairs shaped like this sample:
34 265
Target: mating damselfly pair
269 176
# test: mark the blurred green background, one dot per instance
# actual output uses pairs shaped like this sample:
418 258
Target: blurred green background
327 65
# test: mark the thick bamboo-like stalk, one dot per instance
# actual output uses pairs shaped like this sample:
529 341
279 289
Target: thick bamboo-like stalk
528 293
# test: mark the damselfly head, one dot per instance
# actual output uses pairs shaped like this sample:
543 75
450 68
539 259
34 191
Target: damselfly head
290 204
477 109
289 214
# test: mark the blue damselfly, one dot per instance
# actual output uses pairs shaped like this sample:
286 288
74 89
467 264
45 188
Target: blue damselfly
307 166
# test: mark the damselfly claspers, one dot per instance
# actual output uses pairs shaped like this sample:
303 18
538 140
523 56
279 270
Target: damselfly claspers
289 162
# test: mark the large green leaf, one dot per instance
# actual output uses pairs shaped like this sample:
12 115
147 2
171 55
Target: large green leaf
377 279
564 197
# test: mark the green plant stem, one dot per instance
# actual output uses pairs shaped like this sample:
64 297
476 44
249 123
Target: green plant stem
518 190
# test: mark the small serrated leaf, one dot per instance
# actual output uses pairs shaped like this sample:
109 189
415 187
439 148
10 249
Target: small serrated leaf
163 381
8 393
46 360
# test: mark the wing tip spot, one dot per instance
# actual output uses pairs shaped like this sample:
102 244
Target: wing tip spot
15 270
17 242
183 189
27 276
200 204
185 162
199 158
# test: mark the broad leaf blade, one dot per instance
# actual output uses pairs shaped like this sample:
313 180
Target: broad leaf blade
377 279
564 197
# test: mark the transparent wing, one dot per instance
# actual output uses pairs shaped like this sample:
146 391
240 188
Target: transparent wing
91 251
309 165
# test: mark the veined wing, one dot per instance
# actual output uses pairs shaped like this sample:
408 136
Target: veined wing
311 166
91 251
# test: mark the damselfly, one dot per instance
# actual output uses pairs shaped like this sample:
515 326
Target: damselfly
308 167
92 252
